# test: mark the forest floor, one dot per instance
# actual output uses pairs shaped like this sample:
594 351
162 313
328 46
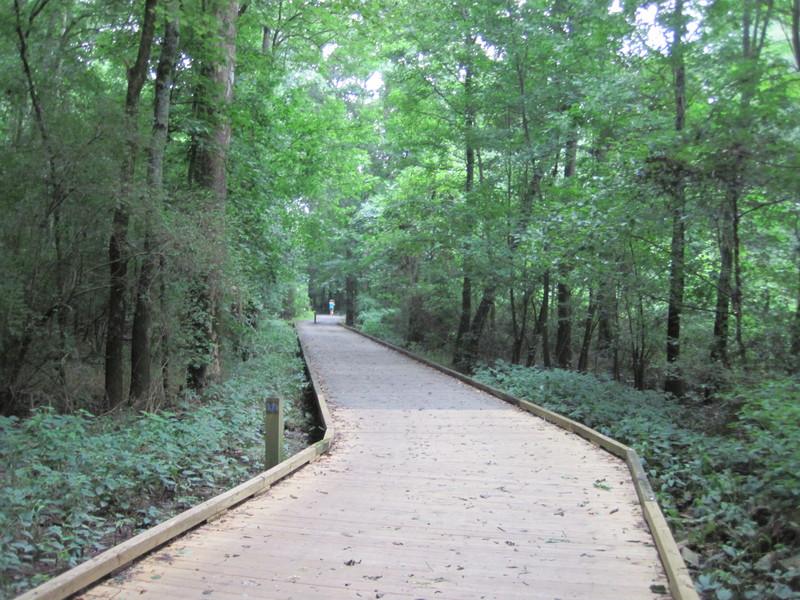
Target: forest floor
74 485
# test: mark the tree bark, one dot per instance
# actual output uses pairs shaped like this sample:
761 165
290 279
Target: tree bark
460 352
588 330
350 293
674 382
563 292
607 338
719 347
459 355
794 363
541 329
142 355
210 172
118 242
519 324
795 26
564 325
477 327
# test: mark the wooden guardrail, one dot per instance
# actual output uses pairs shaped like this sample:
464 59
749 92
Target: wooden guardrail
680 582
94 569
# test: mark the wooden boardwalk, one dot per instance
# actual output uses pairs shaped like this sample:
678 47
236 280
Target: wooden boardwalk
432 489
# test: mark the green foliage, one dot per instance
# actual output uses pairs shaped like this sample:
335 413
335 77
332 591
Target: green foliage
76 484
733 497
377 322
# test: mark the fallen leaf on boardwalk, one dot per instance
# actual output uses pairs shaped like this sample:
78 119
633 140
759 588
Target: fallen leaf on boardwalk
658 589
352 562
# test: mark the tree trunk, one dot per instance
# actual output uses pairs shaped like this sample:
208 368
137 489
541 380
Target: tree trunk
459 354
564 326
588 330
563 291
118 242
350 293
674 382
794 364
607 339
540 328
736 291
795 26
476 329
415 332
638 341
117 291
719 347
210 171
756 17
519 324
142 354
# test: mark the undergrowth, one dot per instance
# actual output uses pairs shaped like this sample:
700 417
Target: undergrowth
732 498
73 485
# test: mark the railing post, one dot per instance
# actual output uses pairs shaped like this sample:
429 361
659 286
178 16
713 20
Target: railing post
273 432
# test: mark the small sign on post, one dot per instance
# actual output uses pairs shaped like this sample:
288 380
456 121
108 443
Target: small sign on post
273 432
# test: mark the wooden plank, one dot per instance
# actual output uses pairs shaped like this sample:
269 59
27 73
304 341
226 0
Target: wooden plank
681 584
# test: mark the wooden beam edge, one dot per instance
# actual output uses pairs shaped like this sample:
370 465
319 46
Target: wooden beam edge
680 582
94 569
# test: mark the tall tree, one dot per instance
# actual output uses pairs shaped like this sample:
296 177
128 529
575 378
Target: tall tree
209 171
674 382
142 349
118 243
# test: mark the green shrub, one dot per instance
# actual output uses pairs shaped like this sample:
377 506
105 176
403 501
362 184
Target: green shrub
75 484
378 322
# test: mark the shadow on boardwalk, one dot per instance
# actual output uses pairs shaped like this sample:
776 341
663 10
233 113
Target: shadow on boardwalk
432 489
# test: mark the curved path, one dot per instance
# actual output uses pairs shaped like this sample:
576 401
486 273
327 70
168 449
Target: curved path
432 489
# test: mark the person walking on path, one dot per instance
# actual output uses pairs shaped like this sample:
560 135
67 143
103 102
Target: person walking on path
331 305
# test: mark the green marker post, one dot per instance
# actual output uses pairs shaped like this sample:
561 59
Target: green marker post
273 432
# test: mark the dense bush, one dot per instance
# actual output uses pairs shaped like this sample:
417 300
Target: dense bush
75 484
733 499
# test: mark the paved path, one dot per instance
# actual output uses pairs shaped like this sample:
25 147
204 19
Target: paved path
432 490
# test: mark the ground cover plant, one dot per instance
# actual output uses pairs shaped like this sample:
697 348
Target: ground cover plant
73 485
731 491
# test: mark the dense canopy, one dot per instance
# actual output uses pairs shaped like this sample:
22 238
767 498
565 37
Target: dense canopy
607 187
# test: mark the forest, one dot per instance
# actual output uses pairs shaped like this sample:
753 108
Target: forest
593 204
